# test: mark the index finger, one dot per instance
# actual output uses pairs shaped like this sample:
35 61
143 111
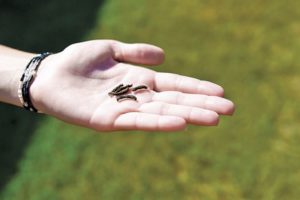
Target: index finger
185 84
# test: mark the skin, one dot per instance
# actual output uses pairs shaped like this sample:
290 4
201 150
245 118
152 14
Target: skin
73 86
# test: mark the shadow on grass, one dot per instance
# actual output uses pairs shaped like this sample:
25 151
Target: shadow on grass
36 26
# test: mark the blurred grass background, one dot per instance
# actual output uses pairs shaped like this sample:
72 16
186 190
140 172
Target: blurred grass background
251 48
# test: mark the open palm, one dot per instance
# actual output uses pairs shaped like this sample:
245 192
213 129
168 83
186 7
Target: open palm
73 85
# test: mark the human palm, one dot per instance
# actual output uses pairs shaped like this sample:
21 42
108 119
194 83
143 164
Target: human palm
73 85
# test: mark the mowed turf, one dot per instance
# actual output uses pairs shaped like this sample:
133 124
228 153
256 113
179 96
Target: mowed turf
251 48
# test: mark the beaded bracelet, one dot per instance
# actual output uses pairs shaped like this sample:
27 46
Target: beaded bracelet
26 80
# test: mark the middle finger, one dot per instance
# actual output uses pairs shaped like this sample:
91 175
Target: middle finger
214 103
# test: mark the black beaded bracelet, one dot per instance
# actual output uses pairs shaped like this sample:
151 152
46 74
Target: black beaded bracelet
26 80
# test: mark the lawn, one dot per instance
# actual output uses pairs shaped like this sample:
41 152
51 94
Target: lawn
251 48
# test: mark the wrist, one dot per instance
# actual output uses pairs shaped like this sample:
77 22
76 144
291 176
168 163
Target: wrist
38 88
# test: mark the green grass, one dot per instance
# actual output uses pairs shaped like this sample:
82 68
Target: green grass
251 48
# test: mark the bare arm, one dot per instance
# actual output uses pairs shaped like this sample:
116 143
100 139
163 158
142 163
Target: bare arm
12 64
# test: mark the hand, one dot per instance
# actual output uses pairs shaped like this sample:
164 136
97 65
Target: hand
73 86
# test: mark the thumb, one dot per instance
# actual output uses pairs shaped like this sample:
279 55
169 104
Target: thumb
143 54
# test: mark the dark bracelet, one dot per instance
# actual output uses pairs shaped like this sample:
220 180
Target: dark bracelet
26 80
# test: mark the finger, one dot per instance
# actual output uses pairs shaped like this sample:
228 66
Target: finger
214 103
143 54
174 82
192 115
148 122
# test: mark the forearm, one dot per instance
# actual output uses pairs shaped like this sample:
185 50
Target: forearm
12 65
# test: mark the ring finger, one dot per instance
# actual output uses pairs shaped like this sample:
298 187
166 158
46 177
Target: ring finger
193 115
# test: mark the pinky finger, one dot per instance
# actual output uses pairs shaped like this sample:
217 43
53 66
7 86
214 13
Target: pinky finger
149 122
